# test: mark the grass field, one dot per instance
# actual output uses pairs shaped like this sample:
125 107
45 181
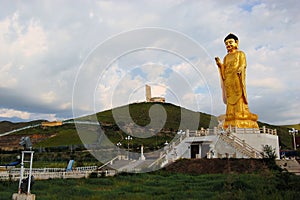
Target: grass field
166 185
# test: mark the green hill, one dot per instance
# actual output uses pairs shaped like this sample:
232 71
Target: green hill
140 115
6 126
139 112
295 126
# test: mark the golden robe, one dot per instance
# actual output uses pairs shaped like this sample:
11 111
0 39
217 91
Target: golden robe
233 75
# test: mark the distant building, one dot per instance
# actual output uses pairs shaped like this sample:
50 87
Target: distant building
149 98
158 99
148 93
51 124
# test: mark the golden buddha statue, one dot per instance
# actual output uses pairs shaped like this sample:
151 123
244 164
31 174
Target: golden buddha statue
233 74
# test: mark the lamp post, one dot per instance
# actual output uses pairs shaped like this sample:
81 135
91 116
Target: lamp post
166 145
294 132
119 144
128 138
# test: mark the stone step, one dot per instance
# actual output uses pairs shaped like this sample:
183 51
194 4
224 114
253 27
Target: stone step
291 165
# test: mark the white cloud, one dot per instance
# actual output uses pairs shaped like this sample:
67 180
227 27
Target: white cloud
153 70
33 41
91 14
266 83
22 40
67 105
48 97
9 113
7 79
49 117
41 52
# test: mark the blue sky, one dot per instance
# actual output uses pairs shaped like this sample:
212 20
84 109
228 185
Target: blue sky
88 56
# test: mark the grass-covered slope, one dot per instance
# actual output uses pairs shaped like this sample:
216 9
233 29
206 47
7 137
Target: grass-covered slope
139 113
6 126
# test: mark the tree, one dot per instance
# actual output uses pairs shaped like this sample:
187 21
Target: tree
269 156
269 152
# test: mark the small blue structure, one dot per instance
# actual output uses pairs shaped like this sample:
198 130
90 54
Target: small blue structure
70 165
12 164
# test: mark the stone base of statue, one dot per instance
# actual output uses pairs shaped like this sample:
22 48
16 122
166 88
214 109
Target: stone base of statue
241 120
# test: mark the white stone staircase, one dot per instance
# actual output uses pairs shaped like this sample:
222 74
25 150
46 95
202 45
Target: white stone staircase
240 145
172 152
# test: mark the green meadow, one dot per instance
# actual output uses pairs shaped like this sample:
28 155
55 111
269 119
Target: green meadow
166 185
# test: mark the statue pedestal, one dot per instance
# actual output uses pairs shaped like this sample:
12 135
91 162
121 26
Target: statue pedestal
241 120
241 124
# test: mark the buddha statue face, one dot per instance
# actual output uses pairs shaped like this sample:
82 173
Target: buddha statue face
231 45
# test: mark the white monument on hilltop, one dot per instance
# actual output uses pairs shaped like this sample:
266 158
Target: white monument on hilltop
149 98
148 93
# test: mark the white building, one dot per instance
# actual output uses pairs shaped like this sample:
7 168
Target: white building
149 98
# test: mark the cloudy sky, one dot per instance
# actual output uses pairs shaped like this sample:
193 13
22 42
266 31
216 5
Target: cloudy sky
63 57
